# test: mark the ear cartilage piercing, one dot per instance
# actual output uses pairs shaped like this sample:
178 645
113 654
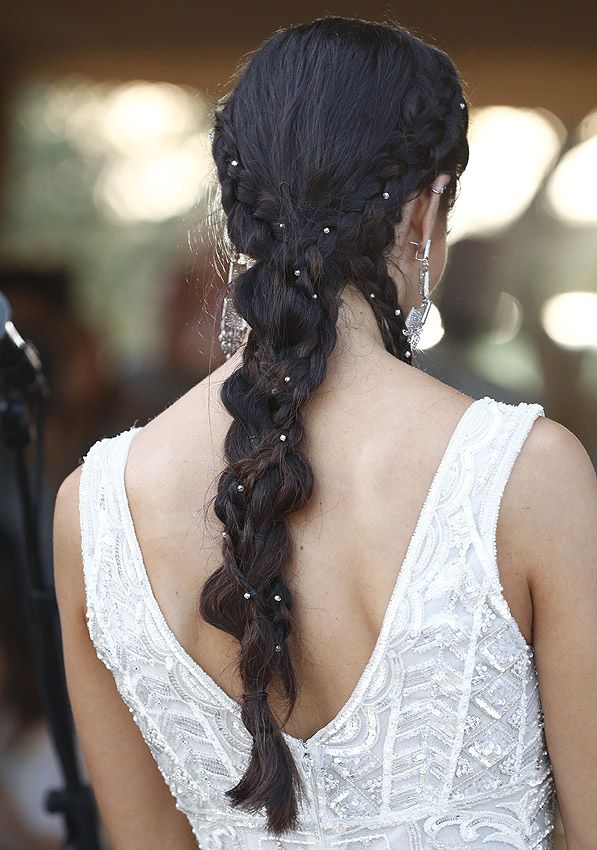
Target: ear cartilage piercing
386 195
438 191
297 272
282 437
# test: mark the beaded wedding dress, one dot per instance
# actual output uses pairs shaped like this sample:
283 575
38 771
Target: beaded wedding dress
441 744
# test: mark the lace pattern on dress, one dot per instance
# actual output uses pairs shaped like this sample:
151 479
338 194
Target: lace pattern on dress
440 745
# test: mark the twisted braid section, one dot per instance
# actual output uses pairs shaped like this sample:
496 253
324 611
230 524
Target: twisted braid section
268 477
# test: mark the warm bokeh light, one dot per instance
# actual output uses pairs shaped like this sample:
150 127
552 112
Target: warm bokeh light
154 184
157 165
433 329
511 150
570 319
508 319
587 127
146 143
144 113
571 193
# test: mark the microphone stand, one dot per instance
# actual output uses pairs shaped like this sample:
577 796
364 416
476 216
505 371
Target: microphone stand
19 373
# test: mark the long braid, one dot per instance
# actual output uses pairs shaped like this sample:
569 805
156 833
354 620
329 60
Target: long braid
308 237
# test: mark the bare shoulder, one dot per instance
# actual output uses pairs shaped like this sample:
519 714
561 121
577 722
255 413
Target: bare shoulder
550 512
113 747
550 503
68 575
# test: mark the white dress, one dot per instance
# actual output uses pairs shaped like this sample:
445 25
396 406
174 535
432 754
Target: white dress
441 744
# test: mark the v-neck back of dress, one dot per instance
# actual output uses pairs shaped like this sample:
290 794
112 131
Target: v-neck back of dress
397 592
405 738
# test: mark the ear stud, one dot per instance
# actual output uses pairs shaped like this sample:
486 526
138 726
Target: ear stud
297 272
240 487
386 195
287 378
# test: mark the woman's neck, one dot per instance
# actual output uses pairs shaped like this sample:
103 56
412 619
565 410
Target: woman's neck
359 350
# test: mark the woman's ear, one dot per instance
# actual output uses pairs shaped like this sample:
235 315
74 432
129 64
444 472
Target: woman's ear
426 211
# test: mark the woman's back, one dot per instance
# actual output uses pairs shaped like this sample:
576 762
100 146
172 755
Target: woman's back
374 452
431 728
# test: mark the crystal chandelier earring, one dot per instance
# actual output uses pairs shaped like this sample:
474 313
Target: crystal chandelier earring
417 315
232 325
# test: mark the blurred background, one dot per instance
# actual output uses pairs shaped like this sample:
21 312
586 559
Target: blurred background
105 178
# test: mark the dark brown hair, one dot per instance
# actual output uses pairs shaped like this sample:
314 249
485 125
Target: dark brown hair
330 127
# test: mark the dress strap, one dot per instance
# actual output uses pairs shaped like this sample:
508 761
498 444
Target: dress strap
508 427
99 516
91 506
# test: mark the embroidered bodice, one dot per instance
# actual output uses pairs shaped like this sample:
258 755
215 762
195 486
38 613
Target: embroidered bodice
441 744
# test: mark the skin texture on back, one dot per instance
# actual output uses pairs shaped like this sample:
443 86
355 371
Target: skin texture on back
546 551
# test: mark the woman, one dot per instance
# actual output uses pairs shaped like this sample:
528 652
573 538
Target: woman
334 658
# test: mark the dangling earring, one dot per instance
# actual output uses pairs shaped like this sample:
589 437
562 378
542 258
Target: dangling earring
417 315
232 325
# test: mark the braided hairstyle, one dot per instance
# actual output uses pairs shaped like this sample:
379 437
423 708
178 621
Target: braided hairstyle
330 128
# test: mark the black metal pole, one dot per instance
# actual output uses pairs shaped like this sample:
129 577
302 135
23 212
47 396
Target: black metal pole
75 800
